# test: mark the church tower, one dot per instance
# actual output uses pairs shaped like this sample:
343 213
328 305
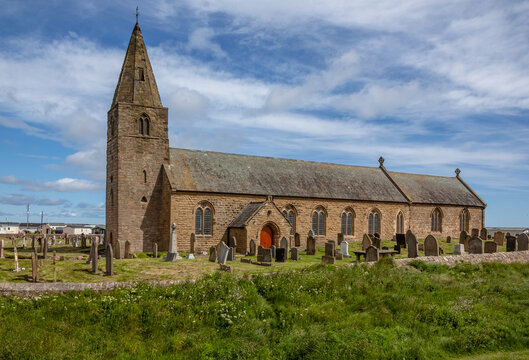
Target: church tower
137 149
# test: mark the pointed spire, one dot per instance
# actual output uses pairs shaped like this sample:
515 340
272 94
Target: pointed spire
136 82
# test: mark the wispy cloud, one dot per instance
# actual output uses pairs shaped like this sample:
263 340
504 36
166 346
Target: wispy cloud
61 185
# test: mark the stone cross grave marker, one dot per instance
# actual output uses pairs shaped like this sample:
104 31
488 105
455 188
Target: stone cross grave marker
344 249
172 254
281 254
372 254
431 246
109 257
490 247
366 242
475 245
499 238
511 243
311 245
294 254
213 254
252 247
413 246
523 242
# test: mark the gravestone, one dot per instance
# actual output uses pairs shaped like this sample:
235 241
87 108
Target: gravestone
459 249
281 254
232 242
109 257
155 250
15 253
483 234
223 255
344 249
128 254
397 249
311 245
499 238
366 242
33 241
421 247
372 254
190 256
265 255
260 249
338 255
462 237
192 241
172 254
376 242
329 258
2 255
83 241
511 243
490 247
231 254
294 254
377 235
523 242
95 257
34 268
413 248
297 239
448 239
44 249
474 233
213 254
431 246
226 268
218 248
252 247
273 249
340 238
53 240
24 242
401 240
284 244
475 245
311 233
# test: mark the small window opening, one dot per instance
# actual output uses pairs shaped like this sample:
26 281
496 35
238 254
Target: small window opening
144 199
141 74
144 177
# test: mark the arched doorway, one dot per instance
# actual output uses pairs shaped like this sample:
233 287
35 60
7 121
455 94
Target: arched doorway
266 237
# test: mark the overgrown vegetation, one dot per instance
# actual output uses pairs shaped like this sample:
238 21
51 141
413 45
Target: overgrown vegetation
417 312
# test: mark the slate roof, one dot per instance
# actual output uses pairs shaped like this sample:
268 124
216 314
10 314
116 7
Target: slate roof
207 171
245 214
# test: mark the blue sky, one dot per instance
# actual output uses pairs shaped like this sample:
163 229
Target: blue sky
431 86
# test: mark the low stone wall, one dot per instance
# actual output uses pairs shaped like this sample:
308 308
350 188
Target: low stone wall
35 289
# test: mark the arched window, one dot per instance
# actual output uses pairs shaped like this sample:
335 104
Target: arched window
348 222
203 219
144 177
318 221
290 214
374 222
436 219
400 223
144 125
464 220
140 125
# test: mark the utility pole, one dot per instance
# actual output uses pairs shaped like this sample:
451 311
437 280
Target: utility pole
42 217
27 216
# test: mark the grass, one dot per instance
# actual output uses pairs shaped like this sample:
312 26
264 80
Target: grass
145 268
379 312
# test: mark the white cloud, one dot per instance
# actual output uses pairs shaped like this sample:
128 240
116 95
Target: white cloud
61 185
201 39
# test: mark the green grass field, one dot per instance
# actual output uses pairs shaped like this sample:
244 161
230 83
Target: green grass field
321 312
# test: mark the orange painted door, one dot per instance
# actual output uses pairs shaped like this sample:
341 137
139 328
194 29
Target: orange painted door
266 237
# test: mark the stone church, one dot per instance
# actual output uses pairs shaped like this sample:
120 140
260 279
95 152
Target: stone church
215 196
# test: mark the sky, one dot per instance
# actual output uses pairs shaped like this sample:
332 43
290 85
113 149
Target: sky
429 85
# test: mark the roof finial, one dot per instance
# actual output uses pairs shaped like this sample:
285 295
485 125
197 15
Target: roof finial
381 161
458 172
137 13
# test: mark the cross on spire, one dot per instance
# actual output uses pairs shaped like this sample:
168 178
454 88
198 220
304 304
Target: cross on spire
137 13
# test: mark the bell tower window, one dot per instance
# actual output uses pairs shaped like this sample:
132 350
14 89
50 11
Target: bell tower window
144 125
141 75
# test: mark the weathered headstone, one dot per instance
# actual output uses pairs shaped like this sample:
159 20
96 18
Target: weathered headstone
344 249
340 238
376 242
523 242
192 241
24 242
231 254
297 239
401 240
499 238
474 233
338 255
155 250
311 233
109 257
17 268
34 267
265 255
475 245
172 254
83 241
413 248
213 254
223 255
281 254
284 244
190 256
511 243
459 249
2 255
377 235
483 234
273 249
95 256
329 258
366 242
372 254
252 247
462 237
431 246
448 239
128 252
294 254
397 249
311 245
232 242
490 247
218 248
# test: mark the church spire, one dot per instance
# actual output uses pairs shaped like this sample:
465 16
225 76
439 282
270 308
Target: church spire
136 82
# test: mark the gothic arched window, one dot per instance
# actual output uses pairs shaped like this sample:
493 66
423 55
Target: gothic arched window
318 221
400 223
348 221
374 222
203 219
144 125
290 214
436 219
464 220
